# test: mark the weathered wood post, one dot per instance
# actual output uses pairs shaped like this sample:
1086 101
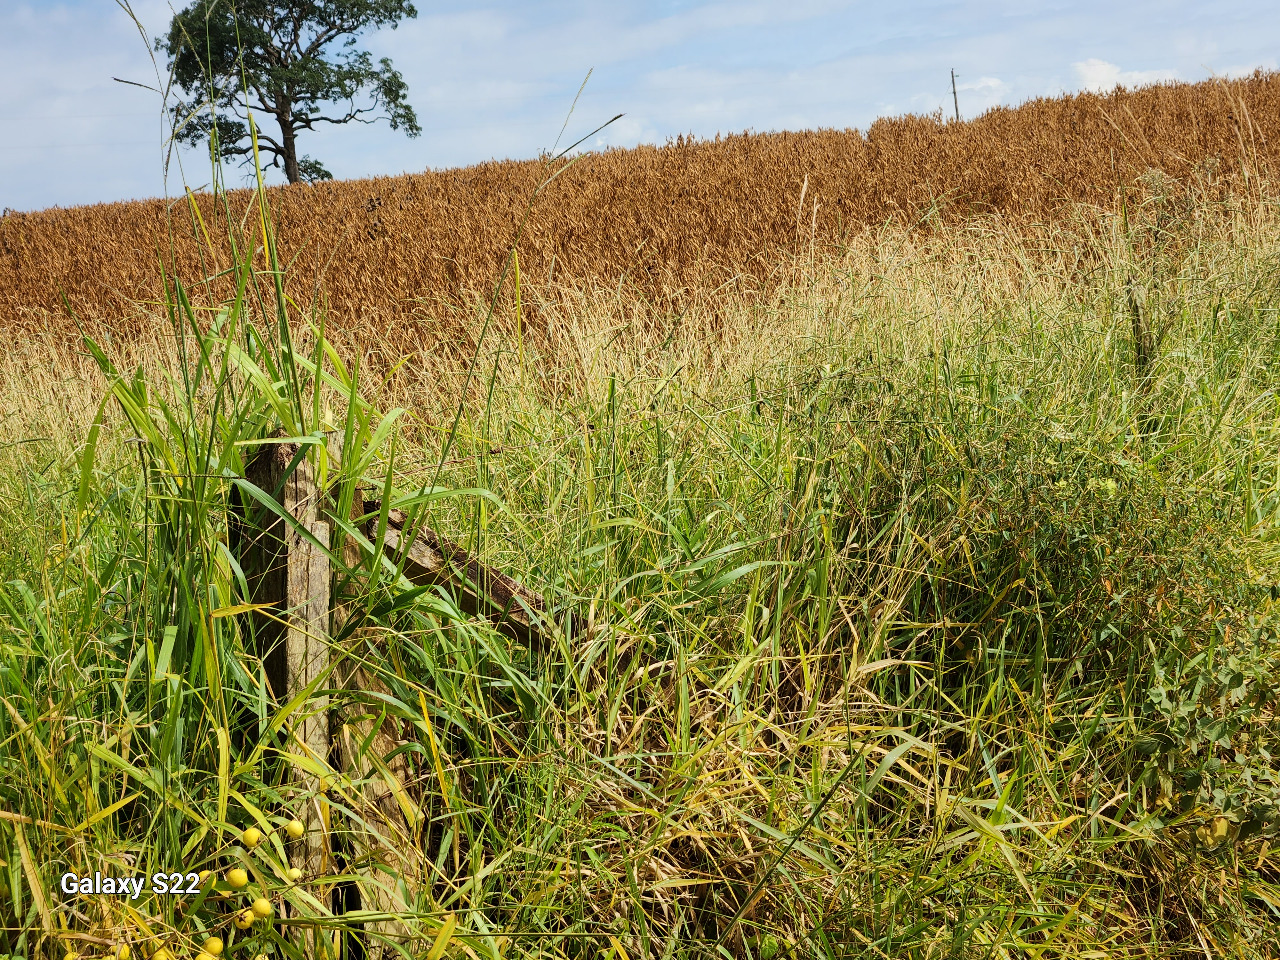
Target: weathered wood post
289 572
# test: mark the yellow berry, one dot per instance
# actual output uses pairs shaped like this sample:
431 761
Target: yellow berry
295 829
237 878
204 877
251 837
123 952
295 874
261 908
71 955
204 956
162 954
244 919
213 946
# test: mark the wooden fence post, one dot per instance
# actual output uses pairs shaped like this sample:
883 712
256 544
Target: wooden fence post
289 572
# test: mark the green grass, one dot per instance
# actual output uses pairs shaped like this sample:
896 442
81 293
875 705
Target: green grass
902 615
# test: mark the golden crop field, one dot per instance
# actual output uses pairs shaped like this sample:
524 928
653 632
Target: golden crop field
660 221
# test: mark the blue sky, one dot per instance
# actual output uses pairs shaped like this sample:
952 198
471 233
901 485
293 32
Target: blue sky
496 79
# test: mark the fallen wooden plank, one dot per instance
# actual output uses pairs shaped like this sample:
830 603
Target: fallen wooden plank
431 559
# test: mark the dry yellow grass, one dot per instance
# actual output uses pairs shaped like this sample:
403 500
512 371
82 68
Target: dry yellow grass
918 288
393 256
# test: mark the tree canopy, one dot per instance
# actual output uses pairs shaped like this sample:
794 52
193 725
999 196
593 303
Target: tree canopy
295 60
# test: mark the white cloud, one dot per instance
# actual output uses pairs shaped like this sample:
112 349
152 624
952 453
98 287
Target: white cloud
626 132
1100 76
984 85
1246 69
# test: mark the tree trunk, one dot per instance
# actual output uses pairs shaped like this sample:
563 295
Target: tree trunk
289 140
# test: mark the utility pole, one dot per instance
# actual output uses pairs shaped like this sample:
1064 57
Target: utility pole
954 96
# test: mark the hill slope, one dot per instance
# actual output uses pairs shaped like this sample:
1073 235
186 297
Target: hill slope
657 219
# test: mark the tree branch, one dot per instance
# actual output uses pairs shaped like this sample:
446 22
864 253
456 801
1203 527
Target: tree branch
306 120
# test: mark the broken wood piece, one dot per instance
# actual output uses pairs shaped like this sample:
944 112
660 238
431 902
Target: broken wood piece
431 559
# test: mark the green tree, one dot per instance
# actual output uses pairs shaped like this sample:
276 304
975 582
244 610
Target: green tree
295 60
